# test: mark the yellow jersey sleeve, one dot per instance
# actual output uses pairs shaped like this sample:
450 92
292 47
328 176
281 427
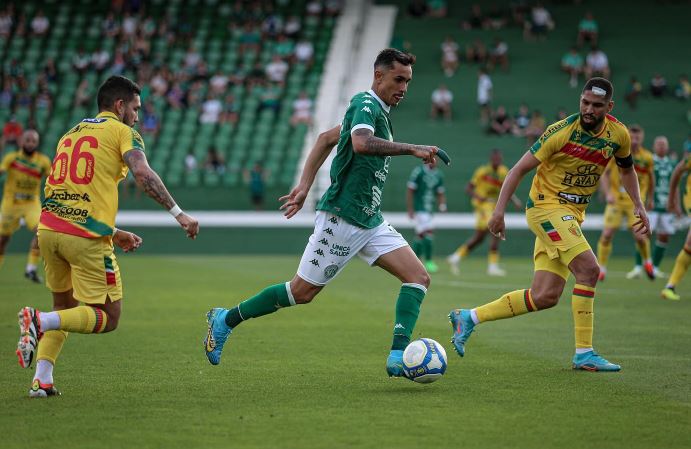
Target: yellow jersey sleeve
6 162
477 176
624 149
551 141
129 139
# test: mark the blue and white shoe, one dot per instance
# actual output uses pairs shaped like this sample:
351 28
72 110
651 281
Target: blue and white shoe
591 361
394 364
217 334
463 326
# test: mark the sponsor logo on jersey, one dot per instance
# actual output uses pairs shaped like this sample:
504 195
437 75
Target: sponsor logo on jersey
574 198
94 120
339 250
64 195
567 218
586 176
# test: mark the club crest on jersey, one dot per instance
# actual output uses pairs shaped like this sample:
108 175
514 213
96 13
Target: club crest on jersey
607 150
330 271
575 229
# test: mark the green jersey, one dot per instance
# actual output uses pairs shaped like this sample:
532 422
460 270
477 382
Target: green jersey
426 183
663 167
357 180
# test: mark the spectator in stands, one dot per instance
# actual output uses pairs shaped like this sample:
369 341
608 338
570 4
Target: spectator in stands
40 24
11 133
6 22
536 127
129 25
292 27
683 88
215 162
159 82
190 162
501 122
231 110
476 52
20 28
218 82
110 27
484 94
119 63
176 96
193 96
658 86
270 98
302 110
100 59
23 98
284 47
437 8
141 45
256 179
496 19
417 8
192 58
276 70
304 52
7 94
587 30
83 94
632 91
257 75
596 64
521 121
477 20
314 8
150 124
272 25
540 22
441 102
573 64
81 61
250 39
449 56
519 12
50 71
499 55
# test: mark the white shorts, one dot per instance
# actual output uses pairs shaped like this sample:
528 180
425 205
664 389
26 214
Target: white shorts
662 222
423 222
335 241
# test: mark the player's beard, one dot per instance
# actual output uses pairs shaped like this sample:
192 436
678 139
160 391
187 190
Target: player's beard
593 125
28 152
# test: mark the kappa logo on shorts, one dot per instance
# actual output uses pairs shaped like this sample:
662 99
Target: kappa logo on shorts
324 242
567 218
328 231
314 262
319 252
330 271
333 220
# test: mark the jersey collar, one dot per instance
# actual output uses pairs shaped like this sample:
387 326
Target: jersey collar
107 114
384 106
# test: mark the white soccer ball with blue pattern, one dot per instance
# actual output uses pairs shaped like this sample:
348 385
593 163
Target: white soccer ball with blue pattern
424 361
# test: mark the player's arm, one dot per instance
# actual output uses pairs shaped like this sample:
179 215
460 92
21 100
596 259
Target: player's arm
629 180
364 142
441 201
518 204
673 202
605 183
525 164
149 181
325 143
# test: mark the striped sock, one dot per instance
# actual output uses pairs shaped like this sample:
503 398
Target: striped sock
515 303
81 320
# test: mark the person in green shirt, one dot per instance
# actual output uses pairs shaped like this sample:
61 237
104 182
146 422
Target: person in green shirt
349 221
425 191
572 63
587 30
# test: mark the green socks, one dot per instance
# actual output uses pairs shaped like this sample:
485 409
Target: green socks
407 310
658 253
265 302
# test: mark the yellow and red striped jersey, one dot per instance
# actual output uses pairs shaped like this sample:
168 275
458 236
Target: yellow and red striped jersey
488 182
643 164
81 194
572 161
24 174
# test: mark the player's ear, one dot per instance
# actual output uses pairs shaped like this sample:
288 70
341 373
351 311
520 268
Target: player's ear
610 106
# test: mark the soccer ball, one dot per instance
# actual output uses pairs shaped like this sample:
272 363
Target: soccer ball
424 361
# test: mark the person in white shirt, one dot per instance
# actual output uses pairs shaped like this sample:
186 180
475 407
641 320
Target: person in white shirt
211 109
441 102
449 56
484 94
276 70
596 64
302 110
40 24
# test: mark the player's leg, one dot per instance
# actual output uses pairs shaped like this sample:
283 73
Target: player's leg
612 219
9 222
32 260
642 244
493 268
680 266
585 269
4 240
428 239
482 215
659 249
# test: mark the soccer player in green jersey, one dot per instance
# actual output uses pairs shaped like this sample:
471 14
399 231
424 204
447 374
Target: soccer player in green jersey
425 190
349 221
662 222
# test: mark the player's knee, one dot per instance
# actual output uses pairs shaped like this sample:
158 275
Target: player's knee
423 278
587 275
111 323
304 294
545 298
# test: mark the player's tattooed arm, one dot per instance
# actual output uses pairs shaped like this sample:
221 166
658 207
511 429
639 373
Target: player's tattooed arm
364 142
147 178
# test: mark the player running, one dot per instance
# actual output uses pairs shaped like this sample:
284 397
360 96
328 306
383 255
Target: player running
76 232
21 198
483 189
684 258
620 206
570 157
425 188
349 221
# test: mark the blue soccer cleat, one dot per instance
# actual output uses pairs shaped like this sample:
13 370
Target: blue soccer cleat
217 334
591 361
463 326
394 364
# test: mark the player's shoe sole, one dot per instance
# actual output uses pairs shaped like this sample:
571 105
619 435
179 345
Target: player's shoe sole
591 361
394 363
462 325
39 390
29 335
216 336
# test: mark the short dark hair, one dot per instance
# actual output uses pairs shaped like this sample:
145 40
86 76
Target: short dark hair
116 88
386 58
635 128
600 83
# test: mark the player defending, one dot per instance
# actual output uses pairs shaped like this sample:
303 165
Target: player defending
570 157
483 189
76 232
619 205
349 220
425 187
21 198
684 258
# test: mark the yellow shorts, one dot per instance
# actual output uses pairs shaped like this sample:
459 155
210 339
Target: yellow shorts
86 265
559 239
11 215
483 212
615 213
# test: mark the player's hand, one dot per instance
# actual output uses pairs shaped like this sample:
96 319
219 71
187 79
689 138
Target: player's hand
294 201
496 225
426 153
189 224
642 226
127 241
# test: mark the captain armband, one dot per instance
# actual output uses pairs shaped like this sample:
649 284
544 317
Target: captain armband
624 162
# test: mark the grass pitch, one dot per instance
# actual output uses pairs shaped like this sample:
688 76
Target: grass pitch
313 376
